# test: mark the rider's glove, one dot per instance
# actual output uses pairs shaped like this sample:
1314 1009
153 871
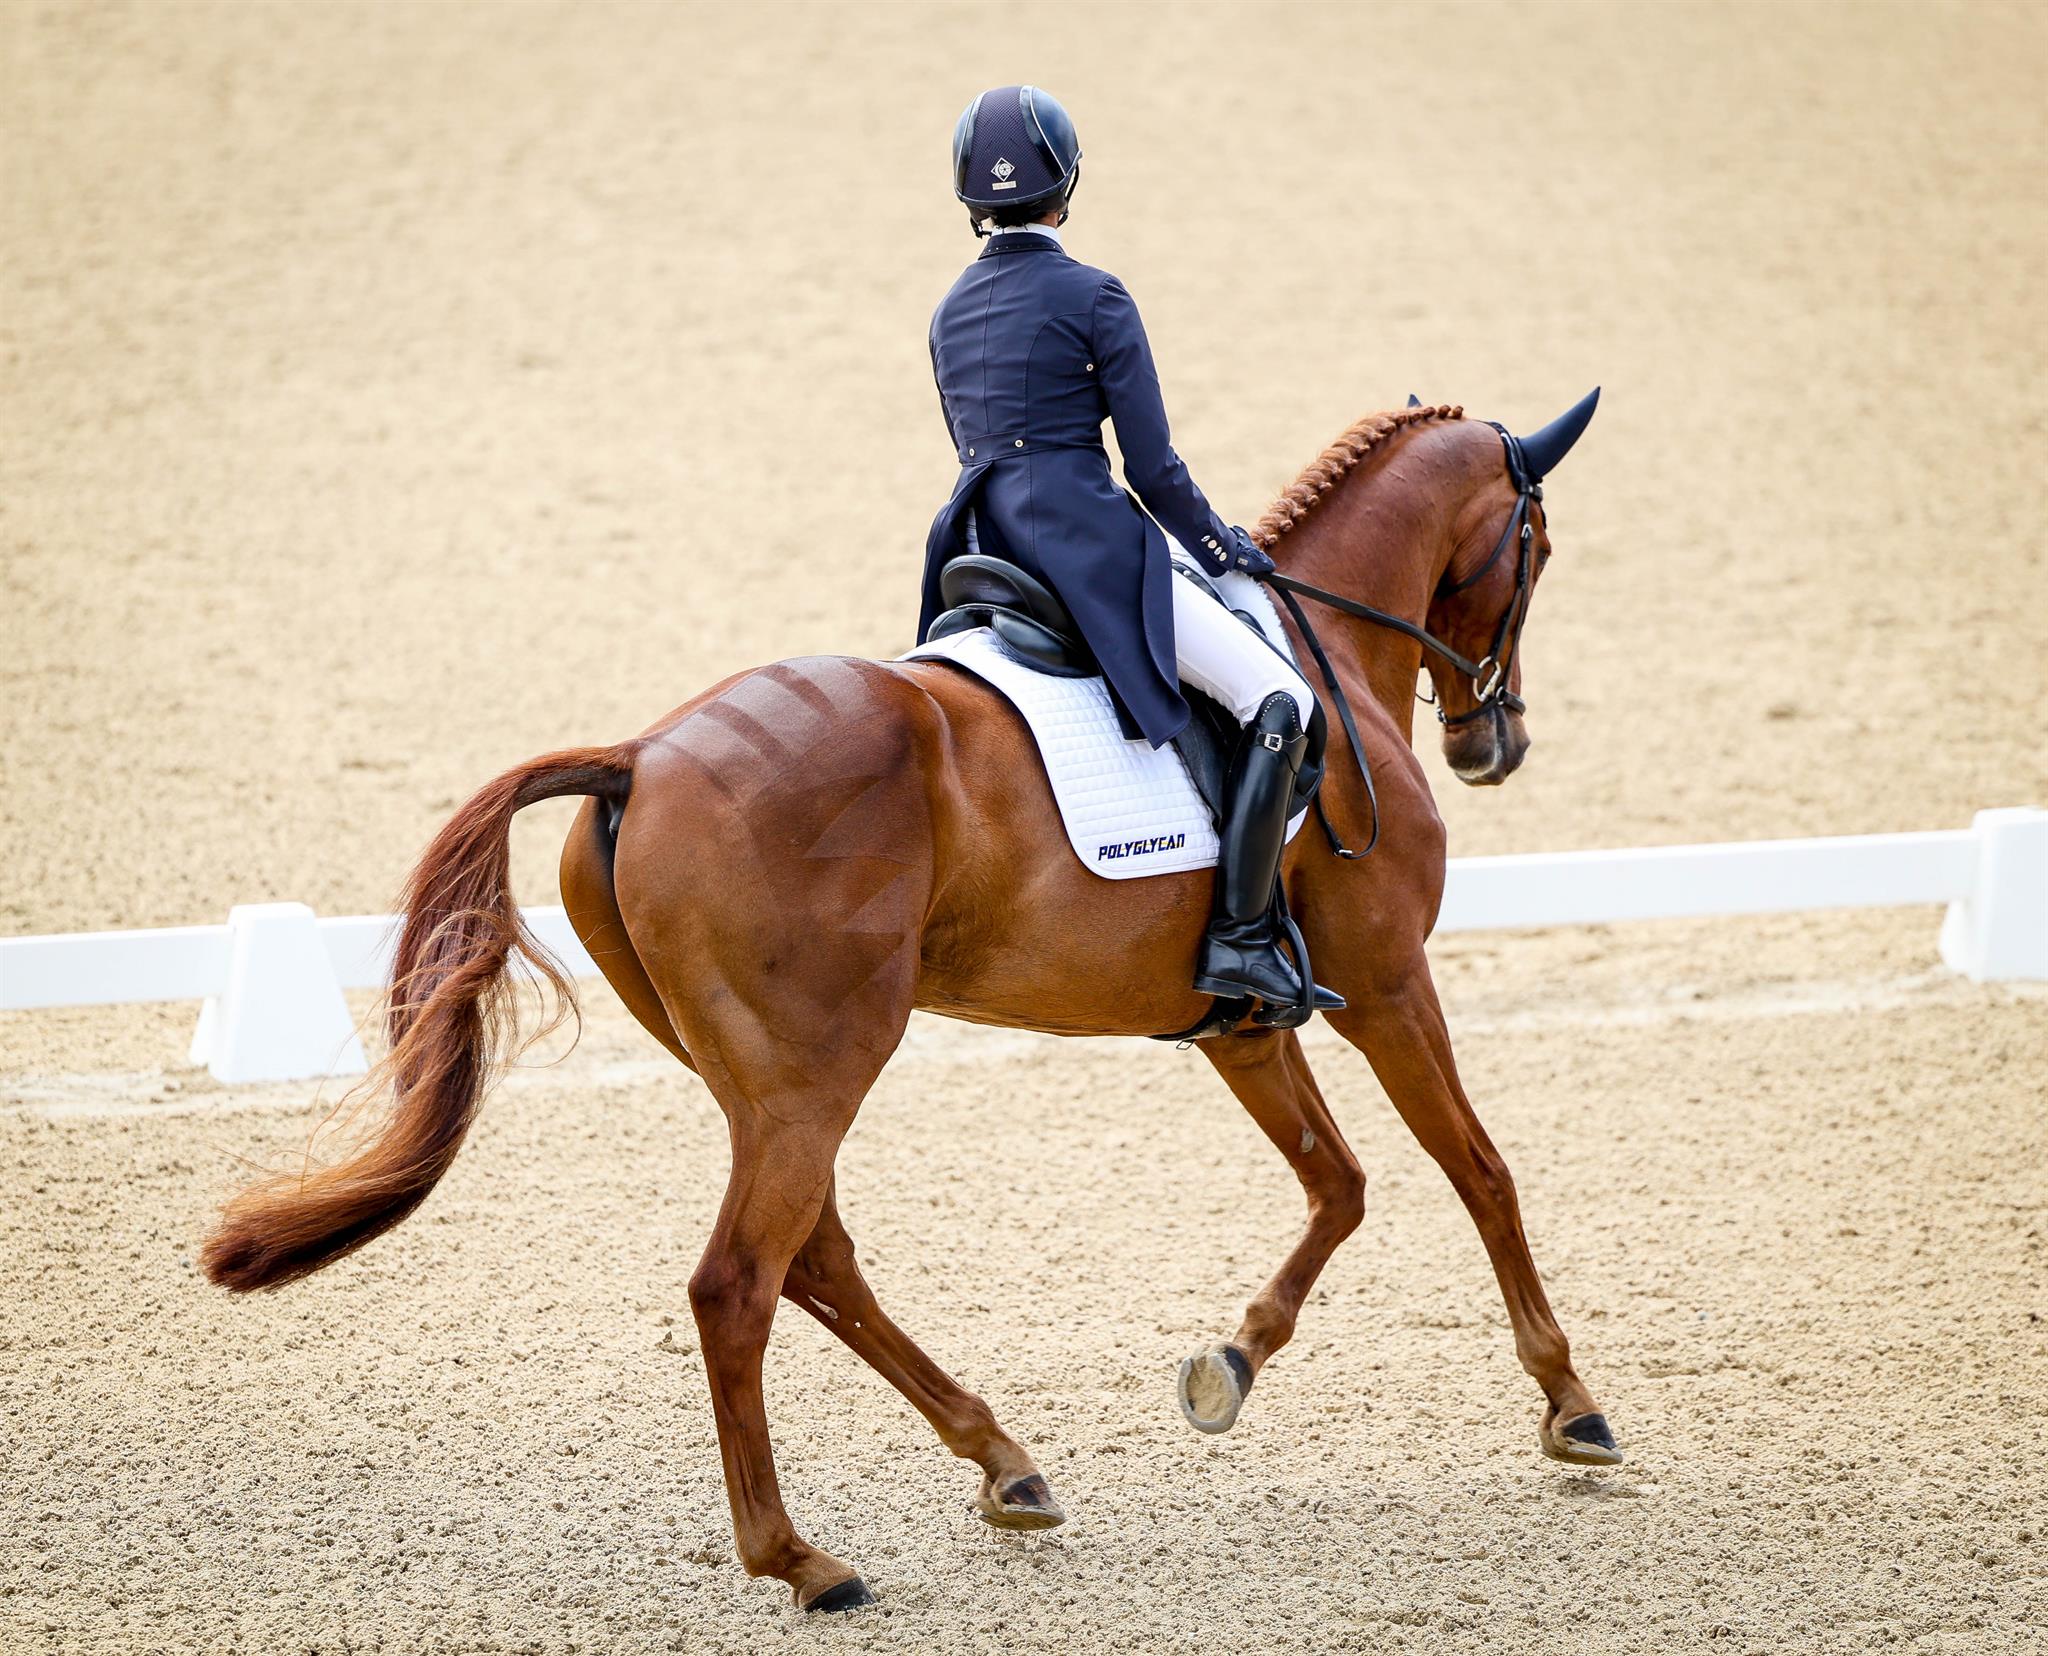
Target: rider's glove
1247 557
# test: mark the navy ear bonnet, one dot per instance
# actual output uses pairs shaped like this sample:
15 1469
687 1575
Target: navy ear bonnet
1543 449
1014 146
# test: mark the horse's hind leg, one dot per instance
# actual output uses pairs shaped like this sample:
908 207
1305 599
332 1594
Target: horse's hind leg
1269 1073
774 869
1401 1031
825 1279
782 1153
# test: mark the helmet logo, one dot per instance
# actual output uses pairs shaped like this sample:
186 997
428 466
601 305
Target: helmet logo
1003 169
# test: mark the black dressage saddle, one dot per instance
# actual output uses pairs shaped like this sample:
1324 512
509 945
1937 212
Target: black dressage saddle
1022 611
1033 627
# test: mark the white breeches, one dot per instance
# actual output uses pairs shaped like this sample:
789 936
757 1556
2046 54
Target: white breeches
1223 658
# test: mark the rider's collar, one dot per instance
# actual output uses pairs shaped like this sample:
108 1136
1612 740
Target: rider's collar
1051 230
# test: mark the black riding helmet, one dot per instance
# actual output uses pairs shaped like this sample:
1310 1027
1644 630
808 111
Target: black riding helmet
1015 156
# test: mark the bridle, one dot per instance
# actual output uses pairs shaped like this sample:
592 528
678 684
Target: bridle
1489 674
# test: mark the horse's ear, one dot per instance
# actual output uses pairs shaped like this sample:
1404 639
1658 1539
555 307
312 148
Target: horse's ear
1543 449
1413 400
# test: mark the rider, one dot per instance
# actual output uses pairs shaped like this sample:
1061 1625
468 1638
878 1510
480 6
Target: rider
1031 351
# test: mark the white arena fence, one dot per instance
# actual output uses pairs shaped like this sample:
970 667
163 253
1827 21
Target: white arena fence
273 977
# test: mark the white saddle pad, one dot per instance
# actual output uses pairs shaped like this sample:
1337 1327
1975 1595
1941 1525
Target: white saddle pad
1130 809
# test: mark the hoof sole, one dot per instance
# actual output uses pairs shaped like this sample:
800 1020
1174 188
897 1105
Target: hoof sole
850 1594
1586 1441
1027 1504
1212 1386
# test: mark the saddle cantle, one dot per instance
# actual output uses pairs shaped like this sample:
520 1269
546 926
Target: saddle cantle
1025 613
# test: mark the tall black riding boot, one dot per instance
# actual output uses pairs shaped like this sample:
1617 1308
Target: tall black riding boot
1241 954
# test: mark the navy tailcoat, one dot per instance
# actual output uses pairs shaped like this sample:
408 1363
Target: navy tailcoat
1032 350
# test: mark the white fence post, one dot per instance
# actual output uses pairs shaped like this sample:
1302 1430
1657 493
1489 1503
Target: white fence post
2000 930
280 1015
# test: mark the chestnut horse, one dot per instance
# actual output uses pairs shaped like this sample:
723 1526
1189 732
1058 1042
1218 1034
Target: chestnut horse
777 873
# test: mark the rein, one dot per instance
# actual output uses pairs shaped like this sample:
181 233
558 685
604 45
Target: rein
1489 674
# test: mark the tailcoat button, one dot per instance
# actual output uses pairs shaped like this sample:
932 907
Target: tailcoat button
1020 442
970 454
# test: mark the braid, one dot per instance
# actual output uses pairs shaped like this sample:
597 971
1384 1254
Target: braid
1329 468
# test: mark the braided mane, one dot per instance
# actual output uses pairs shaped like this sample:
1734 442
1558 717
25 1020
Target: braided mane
1329 468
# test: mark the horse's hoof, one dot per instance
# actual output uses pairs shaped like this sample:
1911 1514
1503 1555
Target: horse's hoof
1213 1384
1584 1441
1027 1504
850 1594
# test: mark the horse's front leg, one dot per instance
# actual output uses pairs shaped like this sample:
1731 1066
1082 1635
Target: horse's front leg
1401 1031
1270 1076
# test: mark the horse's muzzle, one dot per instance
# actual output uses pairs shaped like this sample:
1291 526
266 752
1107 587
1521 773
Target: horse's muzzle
1486 752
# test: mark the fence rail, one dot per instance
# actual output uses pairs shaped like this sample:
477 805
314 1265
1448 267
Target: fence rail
272 979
